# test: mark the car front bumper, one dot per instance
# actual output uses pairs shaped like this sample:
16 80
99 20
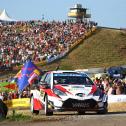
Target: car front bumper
75 105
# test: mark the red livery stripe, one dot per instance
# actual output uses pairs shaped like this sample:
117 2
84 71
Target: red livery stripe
37 104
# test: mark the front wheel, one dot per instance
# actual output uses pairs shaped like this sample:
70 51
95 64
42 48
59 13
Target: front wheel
105 110
81 112
48 112
32 107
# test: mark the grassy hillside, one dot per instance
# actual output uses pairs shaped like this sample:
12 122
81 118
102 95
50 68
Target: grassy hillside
107 47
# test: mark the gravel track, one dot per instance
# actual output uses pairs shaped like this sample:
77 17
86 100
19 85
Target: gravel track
73 119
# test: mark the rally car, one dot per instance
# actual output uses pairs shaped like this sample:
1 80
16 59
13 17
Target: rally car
67 91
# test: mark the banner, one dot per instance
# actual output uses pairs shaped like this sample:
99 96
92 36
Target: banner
7 86
116 98
18 103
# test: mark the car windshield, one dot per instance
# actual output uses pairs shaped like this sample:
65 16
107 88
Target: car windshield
71 78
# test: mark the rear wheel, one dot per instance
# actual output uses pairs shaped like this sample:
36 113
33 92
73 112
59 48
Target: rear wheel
32 106
48 112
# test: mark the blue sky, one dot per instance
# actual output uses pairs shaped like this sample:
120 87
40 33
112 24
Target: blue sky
109 13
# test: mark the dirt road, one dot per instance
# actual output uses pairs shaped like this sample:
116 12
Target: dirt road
72 119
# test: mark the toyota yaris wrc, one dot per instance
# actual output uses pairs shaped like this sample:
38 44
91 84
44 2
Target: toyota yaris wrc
67 91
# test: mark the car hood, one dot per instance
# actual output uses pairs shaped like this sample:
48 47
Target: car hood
76 89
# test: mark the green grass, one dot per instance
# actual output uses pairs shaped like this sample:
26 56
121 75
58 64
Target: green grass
105 48
15 116
26 116
19 117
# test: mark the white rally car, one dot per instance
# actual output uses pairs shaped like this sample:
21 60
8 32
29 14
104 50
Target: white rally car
67 91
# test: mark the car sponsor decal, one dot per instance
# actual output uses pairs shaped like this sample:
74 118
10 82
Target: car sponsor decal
69 74
74 103
80 105
78 89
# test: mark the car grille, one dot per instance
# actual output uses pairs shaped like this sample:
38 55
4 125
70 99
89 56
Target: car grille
84 104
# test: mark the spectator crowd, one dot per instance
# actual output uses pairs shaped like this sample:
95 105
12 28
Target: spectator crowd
39 40
111 86
108 85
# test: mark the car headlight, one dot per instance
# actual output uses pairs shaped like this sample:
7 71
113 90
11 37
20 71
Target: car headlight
59 92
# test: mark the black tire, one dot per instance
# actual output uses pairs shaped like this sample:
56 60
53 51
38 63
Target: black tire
36 112
48 112
105 110
3 109
81 112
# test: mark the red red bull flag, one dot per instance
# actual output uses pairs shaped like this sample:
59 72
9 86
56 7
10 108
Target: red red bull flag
27 74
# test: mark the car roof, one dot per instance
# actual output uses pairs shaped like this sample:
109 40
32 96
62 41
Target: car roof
61 71
67 71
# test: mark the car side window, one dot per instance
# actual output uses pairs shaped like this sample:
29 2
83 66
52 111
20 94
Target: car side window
48 79
43 77
88 81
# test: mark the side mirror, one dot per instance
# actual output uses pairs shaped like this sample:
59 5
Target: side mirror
44 85
36 81
42 82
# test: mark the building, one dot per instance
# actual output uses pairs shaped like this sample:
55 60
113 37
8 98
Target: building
78 13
